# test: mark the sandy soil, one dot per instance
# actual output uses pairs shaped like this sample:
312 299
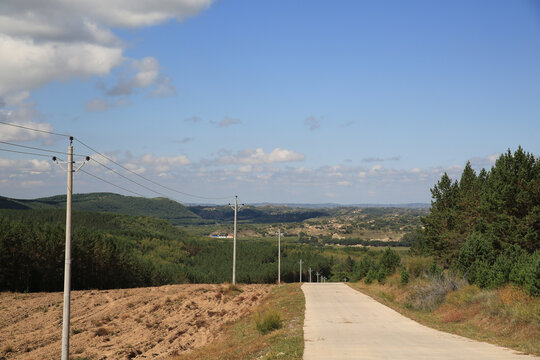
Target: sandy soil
144 323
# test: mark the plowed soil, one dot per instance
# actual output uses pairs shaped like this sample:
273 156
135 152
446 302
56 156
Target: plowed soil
143 323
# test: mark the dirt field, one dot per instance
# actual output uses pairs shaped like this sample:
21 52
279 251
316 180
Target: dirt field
144 323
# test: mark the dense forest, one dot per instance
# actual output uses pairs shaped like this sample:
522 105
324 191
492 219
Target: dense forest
487 225
116 251
162 208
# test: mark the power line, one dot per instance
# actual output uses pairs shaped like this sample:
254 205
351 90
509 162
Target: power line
109 159
149 180
25 152
36 148
125 177
33 129
110 183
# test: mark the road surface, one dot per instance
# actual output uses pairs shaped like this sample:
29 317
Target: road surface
342 323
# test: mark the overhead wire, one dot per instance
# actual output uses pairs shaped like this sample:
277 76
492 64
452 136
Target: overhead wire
25 152
147 179
106 181
33 129
105 157
110 183
40 149
125 177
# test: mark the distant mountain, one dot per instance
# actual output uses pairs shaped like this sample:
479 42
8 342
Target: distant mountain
163 208
335 205
259 214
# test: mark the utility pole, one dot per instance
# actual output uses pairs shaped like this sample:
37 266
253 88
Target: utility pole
317 276
67 265
236 208
300 262
310 274
67 262
279 257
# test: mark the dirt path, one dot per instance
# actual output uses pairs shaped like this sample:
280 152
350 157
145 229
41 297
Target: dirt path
341 323
154 322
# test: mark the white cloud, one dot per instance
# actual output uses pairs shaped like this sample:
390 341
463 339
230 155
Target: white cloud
147 74
258 156
26 64
163 87
42 41
22 116
9 166
165 161
488 160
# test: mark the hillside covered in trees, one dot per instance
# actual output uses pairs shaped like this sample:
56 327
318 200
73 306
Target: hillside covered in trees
162 208
487 225
119 251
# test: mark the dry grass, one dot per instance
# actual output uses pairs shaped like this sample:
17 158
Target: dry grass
242 340
507 316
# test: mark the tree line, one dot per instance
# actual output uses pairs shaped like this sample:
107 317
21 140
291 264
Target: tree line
121 251
487 225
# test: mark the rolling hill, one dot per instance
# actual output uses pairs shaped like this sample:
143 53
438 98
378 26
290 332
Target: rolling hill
163 208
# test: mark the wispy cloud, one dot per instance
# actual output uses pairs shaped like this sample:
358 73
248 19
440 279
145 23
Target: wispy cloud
187 140
193 119
488 160
228 121
97 105
379 159
312 123
258 156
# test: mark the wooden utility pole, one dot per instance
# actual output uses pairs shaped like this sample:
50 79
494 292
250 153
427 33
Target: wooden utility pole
300 262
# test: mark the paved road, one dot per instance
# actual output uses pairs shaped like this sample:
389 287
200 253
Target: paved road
342 323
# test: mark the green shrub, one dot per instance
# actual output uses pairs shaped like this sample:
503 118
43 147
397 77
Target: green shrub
381 275
482 272
434 270
390 260
478 248
417 266
500 271
361 268
404 276
268 322
371 275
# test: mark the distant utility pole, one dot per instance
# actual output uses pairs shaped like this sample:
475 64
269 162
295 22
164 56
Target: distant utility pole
317 276
67 262
300 262
235 207
310 274
279 257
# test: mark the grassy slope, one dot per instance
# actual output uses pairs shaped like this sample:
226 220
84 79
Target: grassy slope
241 340
162 208
507 317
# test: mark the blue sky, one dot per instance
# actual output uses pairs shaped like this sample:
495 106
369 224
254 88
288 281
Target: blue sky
277 101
